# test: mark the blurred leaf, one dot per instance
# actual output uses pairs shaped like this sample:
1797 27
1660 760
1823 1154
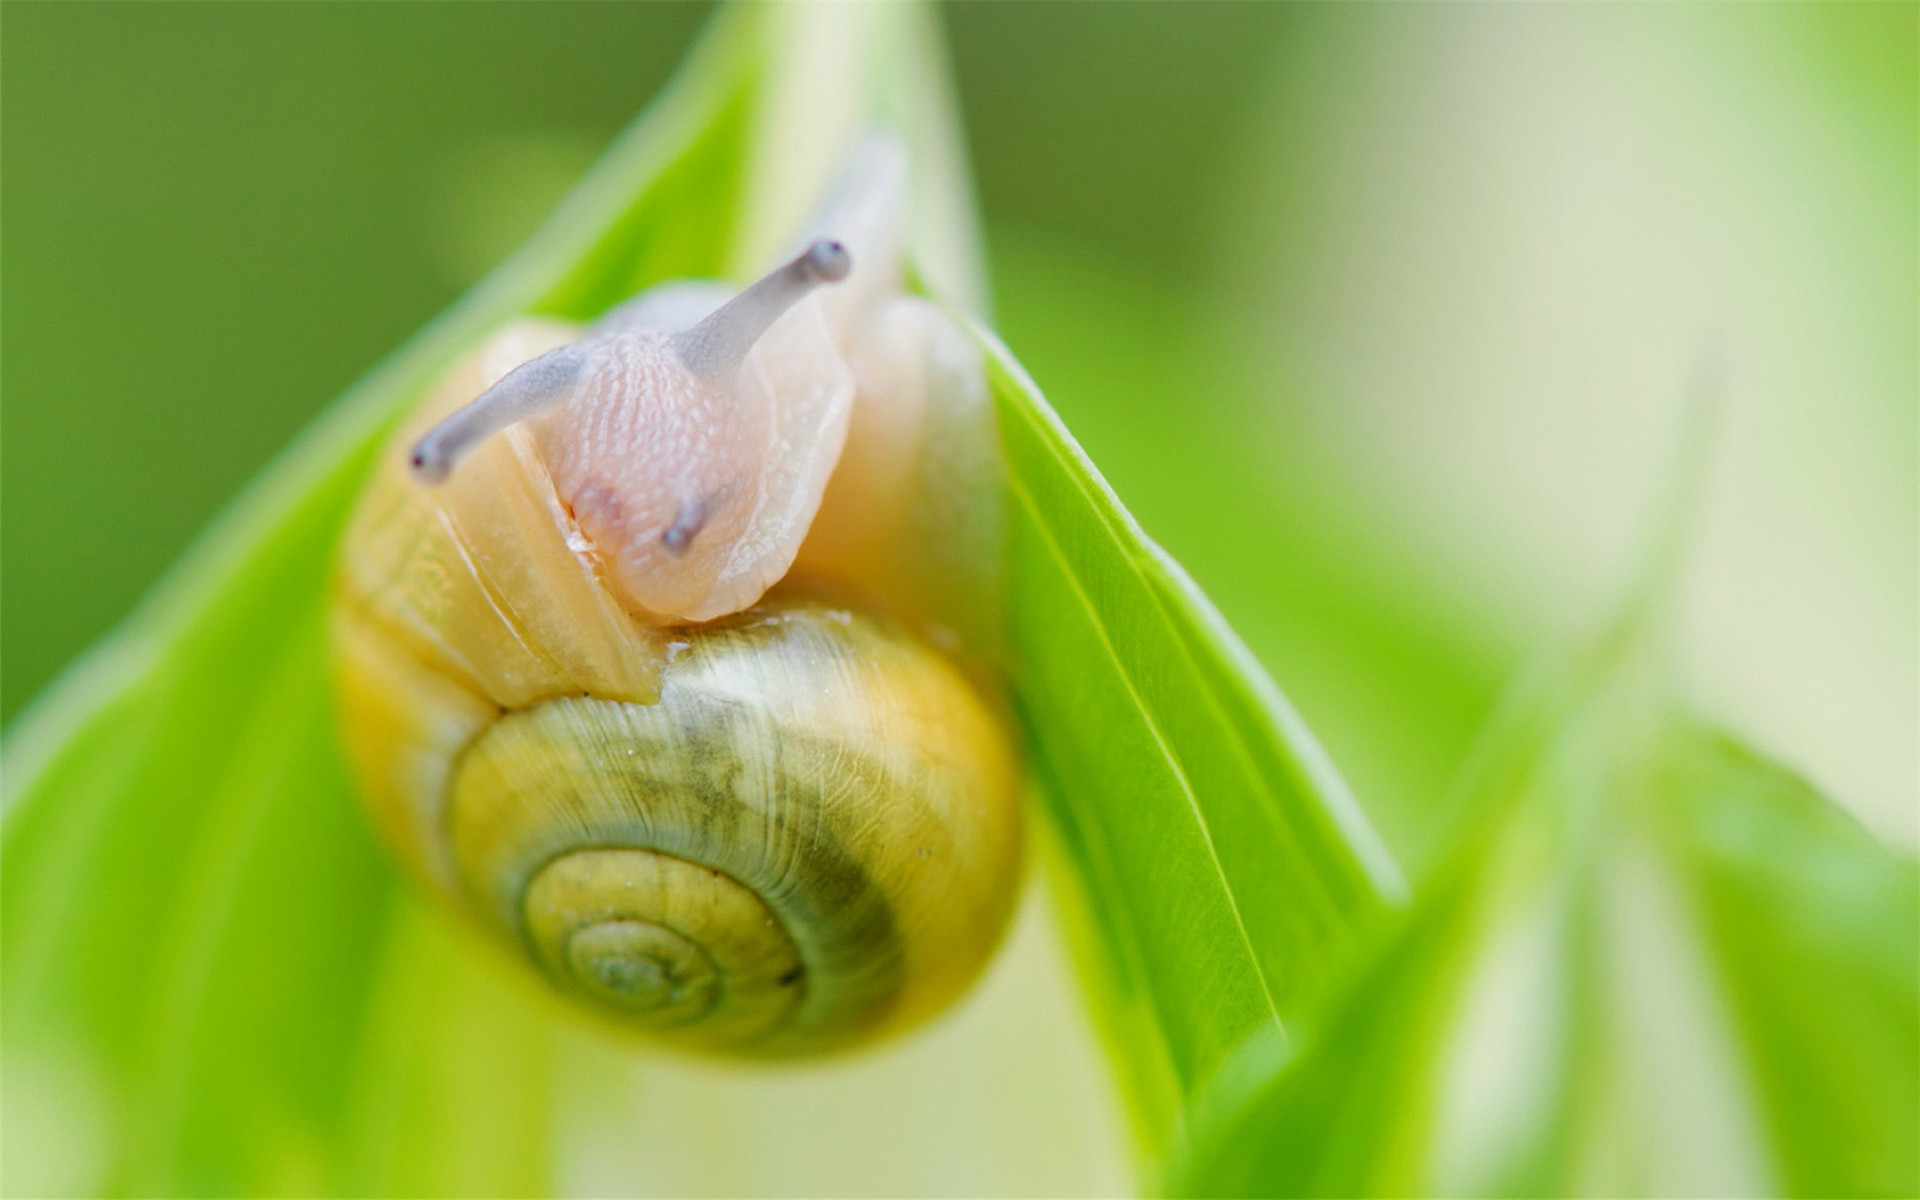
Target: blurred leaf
1224 867
1816 928
209 973
1654 964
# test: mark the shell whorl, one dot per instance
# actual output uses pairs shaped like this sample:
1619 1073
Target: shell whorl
811 839
745 860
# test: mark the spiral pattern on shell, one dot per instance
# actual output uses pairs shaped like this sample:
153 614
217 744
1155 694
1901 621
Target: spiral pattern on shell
747 860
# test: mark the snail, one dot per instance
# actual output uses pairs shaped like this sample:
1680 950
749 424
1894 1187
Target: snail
664 650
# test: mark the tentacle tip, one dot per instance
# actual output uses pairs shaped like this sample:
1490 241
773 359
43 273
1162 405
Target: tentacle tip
828 261
428 467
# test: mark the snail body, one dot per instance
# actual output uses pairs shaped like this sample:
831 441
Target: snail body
635 644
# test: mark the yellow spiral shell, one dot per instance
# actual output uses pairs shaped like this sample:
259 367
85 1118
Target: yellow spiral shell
780 833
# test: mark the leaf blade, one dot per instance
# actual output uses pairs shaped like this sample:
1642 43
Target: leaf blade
1111 640
1815 926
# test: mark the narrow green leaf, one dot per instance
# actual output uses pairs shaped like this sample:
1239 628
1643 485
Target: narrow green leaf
1816 929
1226 868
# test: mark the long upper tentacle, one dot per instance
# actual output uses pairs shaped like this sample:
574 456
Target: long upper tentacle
715 347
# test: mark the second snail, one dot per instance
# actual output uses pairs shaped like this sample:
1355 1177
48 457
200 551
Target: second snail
665 649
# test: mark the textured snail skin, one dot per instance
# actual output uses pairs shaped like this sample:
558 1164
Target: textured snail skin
781 833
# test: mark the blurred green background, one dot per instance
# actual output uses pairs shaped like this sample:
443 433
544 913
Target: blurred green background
1380 317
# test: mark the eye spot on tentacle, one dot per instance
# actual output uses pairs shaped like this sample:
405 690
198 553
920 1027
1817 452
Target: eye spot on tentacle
828 261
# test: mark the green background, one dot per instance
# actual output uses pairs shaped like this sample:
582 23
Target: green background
1241 246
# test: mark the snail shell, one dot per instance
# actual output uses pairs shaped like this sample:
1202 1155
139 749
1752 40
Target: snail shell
809 840
750 823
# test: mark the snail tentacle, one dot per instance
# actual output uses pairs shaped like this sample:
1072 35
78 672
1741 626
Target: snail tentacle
715 348
529 388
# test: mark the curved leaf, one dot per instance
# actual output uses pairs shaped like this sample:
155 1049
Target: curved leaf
1226 869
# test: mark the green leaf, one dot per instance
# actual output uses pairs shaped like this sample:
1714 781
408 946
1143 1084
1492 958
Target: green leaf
1654 964
1224 869
1816 929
